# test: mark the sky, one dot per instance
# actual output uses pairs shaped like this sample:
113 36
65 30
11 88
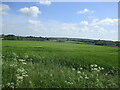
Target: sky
88 20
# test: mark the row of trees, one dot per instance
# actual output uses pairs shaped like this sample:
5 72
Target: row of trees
29 38
75 40
99 42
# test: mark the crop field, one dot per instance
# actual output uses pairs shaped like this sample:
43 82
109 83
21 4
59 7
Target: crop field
45 64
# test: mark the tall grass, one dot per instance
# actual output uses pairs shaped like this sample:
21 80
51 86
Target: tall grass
29 64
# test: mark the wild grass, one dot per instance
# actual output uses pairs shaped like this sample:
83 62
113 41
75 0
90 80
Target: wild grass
32 64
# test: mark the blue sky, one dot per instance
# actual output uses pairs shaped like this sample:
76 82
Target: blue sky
93 20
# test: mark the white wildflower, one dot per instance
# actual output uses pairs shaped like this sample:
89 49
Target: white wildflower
51 74
78 72
25 75
81 68
99 68
91 65
81 77
95 69
10 85
20 77
86 77
106 74
13 65
24 63
73 69
95 65
69 82
22 60
102 68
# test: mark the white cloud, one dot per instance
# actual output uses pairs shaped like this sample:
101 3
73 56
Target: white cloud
84 22
36 25
85 11
108 21
102 30
104 22
32 11
85 28
60 29
4 8
45 2
33 22
68 26
96 26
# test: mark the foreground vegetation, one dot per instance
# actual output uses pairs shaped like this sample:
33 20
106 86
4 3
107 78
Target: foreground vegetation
43 64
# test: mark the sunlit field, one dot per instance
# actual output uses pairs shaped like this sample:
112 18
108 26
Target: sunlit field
43 64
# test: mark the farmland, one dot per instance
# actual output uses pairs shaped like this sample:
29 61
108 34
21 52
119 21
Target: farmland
45 64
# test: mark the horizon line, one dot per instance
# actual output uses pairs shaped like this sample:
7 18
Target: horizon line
62 37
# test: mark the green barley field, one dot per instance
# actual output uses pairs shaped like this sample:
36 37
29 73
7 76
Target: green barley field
44 64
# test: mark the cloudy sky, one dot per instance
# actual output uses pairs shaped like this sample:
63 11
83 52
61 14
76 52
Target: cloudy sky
89 20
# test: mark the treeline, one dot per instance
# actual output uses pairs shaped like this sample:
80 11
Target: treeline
29 38
99 42
88 41
72 40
